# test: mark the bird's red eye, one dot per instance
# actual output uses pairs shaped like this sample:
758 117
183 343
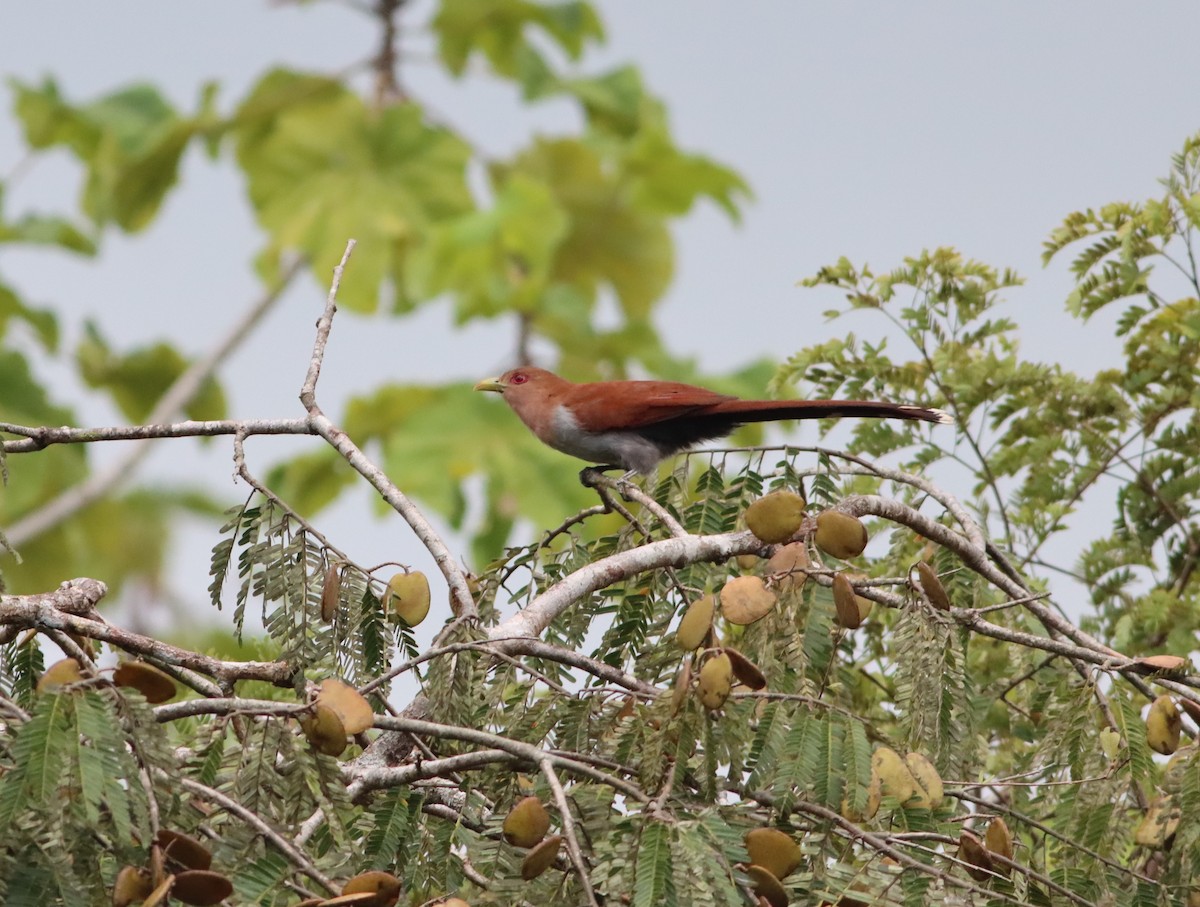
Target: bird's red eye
518 378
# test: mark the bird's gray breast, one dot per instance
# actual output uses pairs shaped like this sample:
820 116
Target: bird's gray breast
627 449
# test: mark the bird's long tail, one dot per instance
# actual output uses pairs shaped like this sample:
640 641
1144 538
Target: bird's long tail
778 410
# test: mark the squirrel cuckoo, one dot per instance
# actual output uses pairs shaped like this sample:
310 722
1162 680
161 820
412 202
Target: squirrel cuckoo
635 424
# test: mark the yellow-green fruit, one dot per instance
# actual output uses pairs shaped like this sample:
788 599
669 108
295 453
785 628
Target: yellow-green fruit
767 886
384 885
773 850
747 561
789 567
745 599
971 851
59 675
840 535
999 841
845 603
716 680
895 779
776 517
1110 742
1158 825
696 622
408 597
746 671
132 884
201 887
146 679
683 680
865 605
324 730
869 809
934 590
351 706
540 858
526 823
1163 724
928 780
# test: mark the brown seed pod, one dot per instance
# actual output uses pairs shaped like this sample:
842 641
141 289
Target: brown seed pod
383 885
355 899
331 591
350 705
324 730
774 851
1163 725
1163 664
695 624
526 823
148 680
745 599
789 567
132 884
895 780
745 670
716 680
540 858
181 851
931 792
767 886
971 851
776 517
201 887
999 840
683 680
840 535
845 603
407 597
1192 708
58 675
934 590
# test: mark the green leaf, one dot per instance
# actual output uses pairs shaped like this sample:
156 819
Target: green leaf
654 885
323 168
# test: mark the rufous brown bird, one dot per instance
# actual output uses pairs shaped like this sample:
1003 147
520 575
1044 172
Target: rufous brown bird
635 424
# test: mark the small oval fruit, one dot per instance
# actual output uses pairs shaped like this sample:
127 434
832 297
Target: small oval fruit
776 517
715 682
931 793
540 858
746 671
895 779
774 850
351 706
408 597
683 680
932 586
1163 725
745 599
845 603
747 561
132 884
767 886
324 730
59 674
148 680
331 591
695 624
999 840
972 852
526 823
1159 824
840 535
383 885
789 567
201 887
183 851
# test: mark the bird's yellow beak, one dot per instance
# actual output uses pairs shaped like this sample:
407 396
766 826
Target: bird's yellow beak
491 384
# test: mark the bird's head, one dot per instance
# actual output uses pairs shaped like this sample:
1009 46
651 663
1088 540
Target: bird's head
516 381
